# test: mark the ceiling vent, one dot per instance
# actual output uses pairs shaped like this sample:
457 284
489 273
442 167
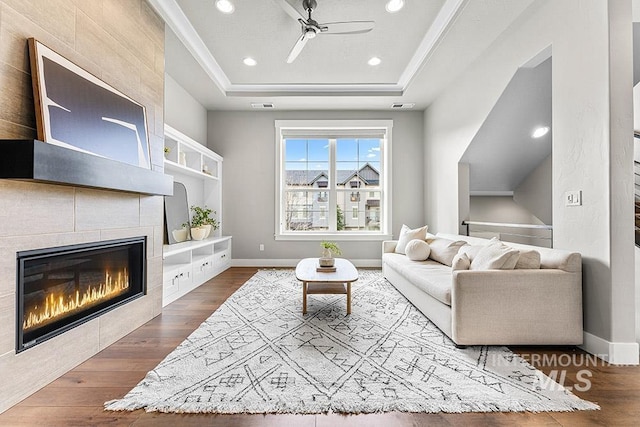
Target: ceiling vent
262 105
403 106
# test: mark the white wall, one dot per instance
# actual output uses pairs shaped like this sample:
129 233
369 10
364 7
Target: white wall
246 140
591 83
183 112
534 192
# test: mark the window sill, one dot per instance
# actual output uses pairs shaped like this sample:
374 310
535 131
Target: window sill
299 236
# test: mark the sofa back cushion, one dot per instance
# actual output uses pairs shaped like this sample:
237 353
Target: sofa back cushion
443 250
549 258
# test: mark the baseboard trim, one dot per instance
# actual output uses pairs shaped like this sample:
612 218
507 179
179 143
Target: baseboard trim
364 263
615 353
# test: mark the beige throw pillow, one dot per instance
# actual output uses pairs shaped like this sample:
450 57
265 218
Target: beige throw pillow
443 250
407 235
460 262
495 256
417 250
528 260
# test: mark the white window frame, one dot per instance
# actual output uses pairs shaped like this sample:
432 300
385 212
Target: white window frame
323 128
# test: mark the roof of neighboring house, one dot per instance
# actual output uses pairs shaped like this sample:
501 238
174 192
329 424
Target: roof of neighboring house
367 173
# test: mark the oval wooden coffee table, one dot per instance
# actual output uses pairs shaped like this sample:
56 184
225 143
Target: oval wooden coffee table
320 282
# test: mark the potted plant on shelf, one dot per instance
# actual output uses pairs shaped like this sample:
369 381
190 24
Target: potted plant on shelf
202 219
181 234
329 249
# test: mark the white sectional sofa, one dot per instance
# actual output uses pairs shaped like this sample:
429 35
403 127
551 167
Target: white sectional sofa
539 306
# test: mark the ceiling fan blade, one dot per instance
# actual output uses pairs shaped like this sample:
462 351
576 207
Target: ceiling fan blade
352 27
297 48
291 11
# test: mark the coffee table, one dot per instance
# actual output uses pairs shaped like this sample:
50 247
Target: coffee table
316 282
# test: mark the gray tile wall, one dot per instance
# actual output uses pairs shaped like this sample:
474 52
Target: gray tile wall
121 42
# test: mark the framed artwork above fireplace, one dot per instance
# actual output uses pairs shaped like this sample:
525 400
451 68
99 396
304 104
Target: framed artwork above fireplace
77 110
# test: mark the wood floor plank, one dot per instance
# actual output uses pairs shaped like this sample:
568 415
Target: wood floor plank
76 399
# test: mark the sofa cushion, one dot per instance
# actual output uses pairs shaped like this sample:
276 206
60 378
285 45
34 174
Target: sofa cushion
443 250
417 250
429 276
495 256
407 235
461 261
529 259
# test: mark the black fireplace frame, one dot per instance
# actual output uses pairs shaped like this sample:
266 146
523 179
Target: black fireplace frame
23 256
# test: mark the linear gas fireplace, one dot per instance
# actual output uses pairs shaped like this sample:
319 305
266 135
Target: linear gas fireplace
61 288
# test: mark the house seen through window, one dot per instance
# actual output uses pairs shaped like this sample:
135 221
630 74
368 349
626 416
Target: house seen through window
333 180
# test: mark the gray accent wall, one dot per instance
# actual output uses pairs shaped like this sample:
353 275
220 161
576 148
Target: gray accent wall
247 142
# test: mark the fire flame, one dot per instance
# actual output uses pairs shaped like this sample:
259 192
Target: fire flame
57 304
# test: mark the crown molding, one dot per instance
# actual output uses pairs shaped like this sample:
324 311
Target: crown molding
178 22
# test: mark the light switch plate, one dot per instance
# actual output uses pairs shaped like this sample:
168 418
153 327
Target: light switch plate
573 198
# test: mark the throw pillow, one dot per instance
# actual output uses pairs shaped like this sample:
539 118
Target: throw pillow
495 256
529 260
443 250
407 235
417 250
460 262
471 250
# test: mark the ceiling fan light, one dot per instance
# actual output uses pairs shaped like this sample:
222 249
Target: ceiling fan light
250 62
539 132
394 5
225 6
374 61
310 34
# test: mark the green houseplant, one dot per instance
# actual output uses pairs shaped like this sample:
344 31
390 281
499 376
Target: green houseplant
329 249
201 218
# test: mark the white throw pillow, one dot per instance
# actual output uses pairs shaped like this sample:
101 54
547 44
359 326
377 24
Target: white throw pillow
417 250
495 256
528 260
460 262
407 235
471 251
443 250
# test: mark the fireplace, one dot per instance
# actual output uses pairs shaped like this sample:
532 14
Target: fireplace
61 288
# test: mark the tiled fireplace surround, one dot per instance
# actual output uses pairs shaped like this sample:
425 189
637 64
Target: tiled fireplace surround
121 42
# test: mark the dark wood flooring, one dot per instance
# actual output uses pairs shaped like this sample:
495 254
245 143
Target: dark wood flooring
76 399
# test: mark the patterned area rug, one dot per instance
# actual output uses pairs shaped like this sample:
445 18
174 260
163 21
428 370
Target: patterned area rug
258 354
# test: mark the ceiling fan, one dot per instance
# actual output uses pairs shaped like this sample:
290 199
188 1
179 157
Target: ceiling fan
311 28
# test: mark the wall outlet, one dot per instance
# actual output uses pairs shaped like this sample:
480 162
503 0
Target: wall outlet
573 198
262 246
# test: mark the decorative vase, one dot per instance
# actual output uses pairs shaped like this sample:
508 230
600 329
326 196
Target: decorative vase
208 228
326 260
182 158
198 233
180 235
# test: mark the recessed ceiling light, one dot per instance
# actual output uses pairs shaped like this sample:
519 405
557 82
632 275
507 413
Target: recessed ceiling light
394 5
250 61
374 61
225 6
540 132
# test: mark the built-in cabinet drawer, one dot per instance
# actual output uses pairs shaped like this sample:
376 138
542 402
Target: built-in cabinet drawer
189 264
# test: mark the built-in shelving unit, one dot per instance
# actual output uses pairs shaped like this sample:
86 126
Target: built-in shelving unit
189 264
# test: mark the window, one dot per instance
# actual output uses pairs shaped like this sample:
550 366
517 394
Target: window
333 179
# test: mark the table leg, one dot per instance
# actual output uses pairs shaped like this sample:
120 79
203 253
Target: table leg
304 297
349 298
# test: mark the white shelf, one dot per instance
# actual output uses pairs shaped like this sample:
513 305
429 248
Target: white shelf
189 264
179 248
170 166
